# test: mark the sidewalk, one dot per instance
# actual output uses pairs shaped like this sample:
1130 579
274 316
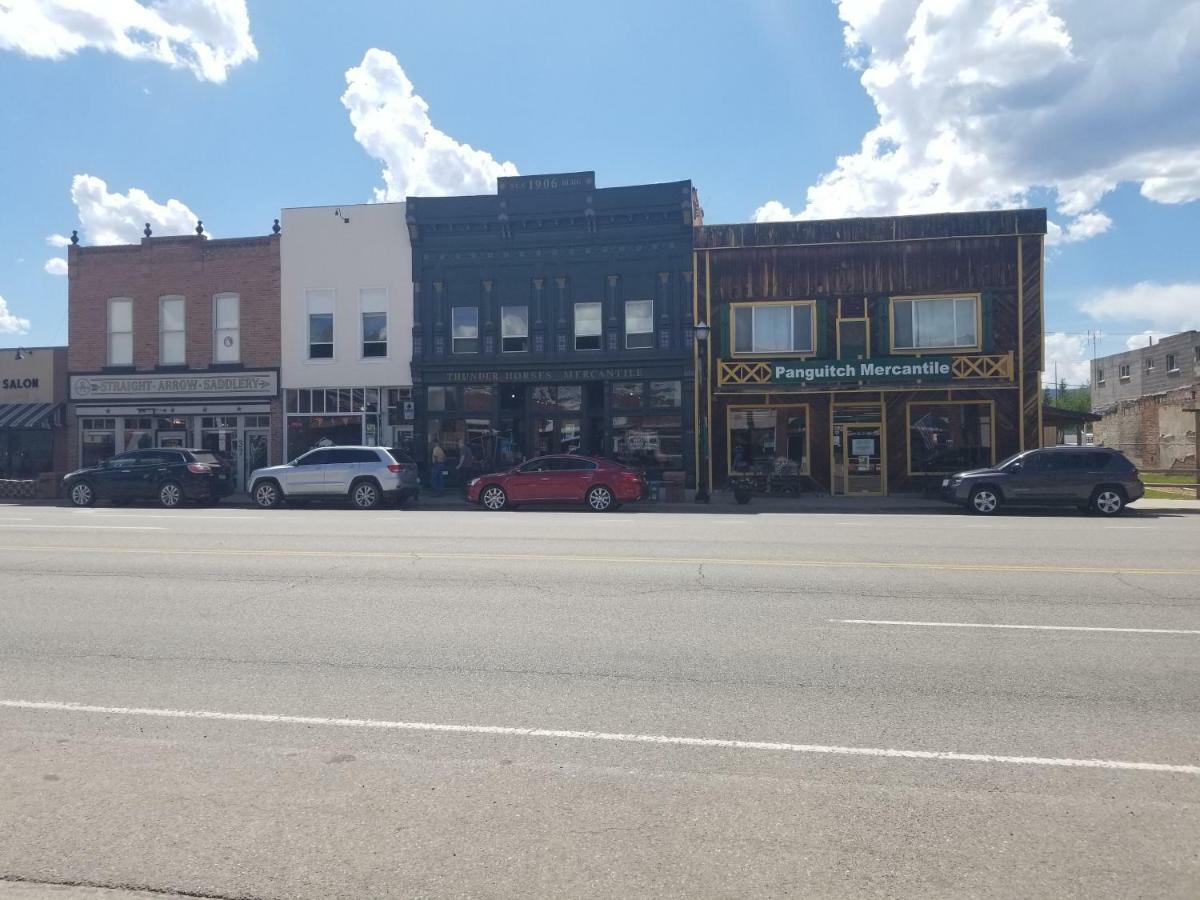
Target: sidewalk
722 503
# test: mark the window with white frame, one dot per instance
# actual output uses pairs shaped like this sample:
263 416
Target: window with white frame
227 328
639 324
514 329
320 324
373 309
1123 372
464 329
1172 363
172 333
1149 364
120 332
773 328
587 326
935 323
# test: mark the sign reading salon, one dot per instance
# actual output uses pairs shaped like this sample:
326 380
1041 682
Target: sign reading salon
829 371
130 387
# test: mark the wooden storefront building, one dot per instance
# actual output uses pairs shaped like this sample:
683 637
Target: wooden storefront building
869 356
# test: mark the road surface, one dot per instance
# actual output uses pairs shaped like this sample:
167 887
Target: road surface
327 703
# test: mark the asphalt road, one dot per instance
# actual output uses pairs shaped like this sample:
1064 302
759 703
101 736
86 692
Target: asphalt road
338 704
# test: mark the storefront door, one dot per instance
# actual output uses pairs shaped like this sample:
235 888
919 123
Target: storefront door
255 451
857 451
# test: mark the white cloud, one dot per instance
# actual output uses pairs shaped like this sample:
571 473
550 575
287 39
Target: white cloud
980 102
392 124
1166 308
57 240
114 218
1084 226
206 37
10 324
56 265
1145 339
1066 355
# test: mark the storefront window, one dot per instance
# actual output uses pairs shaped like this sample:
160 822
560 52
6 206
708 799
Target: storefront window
557 436
441 399
98 441
666 394
934 323
768 441
654 443
26 453
306 432
478 398
557 398
949 437
627 395
138 434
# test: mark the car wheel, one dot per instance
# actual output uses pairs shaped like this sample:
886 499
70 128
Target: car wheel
1109 501
81 494
170 495
364 495
984 501
266 494
600 499
493 498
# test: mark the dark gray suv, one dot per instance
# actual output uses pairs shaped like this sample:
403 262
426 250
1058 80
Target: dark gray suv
1090 478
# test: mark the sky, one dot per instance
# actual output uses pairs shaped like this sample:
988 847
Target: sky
124 112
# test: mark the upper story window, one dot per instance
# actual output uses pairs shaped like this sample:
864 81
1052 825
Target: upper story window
120 332
514 329
1196 354
935 323
1100 375
172 333
227 328
639 324
1149 364
773 328
320 324
464 329
587 326
1172 363
1123 372
373 313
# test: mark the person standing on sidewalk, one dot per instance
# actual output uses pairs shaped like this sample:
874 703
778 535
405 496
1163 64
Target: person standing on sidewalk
437 477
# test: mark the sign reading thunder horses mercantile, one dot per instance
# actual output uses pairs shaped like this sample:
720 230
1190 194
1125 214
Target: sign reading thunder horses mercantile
184 384
825 371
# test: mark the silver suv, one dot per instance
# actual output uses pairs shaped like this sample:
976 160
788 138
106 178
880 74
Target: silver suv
366 476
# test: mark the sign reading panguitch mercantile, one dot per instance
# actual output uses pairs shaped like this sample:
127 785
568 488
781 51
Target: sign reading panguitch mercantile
184 384
825 371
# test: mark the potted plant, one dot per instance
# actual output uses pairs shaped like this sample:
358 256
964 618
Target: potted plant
743 488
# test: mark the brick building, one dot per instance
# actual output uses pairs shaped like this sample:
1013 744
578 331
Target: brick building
1144 397
174 342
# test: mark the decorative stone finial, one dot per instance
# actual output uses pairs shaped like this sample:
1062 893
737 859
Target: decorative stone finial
146 230
199 228
275 228
74 237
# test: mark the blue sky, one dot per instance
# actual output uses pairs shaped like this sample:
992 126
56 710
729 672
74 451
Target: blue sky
238 110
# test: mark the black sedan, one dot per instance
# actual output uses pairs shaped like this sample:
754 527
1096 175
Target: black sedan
167 476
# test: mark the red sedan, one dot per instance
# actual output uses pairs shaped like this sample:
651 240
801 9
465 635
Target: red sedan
600 483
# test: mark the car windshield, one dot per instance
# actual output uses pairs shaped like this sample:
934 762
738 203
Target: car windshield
1004 463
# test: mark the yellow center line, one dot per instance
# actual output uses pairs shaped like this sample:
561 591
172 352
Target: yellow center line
417 556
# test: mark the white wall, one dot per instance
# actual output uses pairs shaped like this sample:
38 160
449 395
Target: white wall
318 251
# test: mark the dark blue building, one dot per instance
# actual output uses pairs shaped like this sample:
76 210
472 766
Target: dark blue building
555 317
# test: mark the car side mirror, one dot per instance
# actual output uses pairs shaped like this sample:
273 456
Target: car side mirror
1016 467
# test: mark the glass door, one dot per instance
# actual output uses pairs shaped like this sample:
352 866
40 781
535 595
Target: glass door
255 452
864 459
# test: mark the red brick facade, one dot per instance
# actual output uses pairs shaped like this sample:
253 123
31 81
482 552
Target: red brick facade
196 269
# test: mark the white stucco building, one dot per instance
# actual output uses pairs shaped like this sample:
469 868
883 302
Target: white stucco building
345 324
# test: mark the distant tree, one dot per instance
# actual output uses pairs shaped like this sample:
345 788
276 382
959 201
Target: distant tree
1078 399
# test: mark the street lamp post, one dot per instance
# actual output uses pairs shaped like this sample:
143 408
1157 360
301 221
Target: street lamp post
702 331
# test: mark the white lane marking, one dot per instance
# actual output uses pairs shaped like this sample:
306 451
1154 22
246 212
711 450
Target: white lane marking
614 737
93 527
1019 627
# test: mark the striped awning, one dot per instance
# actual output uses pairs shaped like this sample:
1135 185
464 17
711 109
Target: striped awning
31 415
